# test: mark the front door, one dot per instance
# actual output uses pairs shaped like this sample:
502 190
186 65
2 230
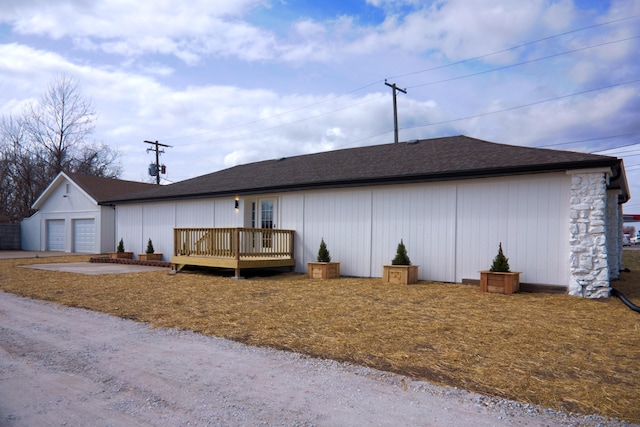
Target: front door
263 215
267 213
267 220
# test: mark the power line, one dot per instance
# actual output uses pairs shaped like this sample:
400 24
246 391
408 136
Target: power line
524 105
586 140
364 139
629 155
618 147
441 122
284 124
437 123
514 47
279 114
522 63
405 75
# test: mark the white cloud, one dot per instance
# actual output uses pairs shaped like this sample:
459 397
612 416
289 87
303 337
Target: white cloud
463 32
250 92
559 15
550 122
394 4
201 28
309 29
23 69
242 124
134 28
121 18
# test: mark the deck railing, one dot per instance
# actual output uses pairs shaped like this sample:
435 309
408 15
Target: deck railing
233 242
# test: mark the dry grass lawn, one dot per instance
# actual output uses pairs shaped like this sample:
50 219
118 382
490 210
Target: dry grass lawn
556 351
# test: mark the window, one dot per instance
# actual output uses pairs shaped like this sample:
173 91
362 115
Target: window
267 214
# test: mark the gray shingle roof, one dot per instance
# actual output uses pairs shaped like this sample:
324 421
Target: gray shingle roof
447 158
108 188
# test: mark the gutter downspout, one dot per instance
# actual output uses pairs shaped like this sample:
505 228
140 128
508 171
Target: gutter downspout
625 300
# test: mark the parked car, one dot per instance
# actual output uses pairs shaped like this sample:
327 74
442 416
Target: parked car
626 240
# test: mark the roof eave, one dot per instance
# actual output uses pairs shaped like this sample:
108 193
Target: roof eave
620 176
431 177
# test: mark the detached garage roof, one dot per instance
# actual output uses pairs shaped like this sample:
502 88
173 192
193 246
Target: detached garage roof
96 188
448 158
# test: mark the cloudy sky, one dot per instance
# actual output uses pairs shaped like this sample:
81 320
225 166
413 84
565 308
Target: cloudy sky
227 82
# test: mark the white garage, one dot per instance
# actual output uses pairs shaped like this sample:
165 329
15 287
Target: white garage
69 218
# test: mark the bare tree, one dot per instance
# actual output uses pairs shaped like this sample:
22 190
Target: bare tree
49 137
97 160
60 122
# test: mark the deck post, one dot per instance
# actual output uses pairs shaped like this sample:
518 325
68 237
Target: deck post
291 248
235 243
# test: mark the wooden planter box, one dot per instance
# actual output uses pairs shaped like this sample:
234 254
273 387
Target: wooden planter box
150 257
499 283
400 274
323 270
123 255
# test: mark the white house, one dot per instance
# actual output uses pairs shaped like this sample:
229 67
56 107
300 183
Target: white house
452 200
69 218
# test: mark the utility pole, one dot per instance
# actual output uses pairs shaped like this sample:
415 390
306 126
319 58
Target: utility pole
156 169
395 107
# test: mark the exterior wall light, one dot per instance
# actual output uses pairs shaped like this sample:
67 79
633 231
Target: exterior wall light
237 205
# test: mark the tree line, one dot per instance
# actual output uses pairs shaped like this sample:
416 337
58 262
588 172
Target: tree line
47 137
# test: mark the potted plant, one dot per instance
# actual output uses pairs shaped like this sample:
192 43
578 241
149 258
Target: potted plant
150 254
400 271
120 252
323 268
499 278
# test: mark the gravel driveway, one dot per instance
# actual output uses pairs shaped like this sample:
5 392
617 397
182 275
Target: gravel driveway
63 366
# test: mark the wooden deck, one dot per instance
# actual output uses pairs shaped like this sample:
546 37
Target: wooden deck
234 248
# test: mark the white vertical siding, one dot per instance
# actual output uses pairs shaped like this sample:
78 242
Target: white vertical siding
137 223
107 229
155 218
195 213
291 218
451 229
423 216
343 219
129 226
225 213
208 213
356 225
529 215
30 233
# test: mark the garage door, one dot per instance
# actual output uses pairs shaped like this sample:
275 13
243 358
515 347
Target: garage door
55 235
84 235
